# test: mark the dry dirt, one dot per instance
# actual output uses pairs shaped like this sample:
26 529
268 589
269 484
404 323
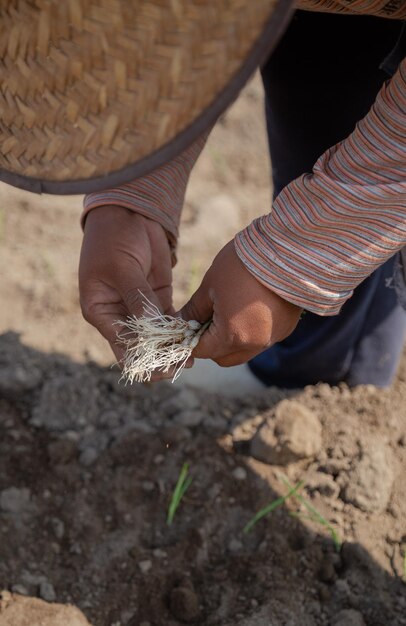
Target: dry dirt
87 466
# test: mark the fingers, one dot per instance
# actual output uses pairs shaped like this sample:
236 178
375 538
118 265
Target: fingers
125 262
136 292
103 315
211 344
200 307
224 346
246 316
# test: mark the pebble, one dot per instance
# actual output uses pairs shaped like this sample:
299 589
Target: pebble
298 429
94 439
235 545
47 592
30 579
348 617
327 573
214 491
341 587
145 566
159 554
214 424
88 456
75 548
58 527
109 418
61 451
184 603
295 433
189 418
324 594
14 500
185 400
369 483
147 486
322 483
239 473
20 589
175 433
141 426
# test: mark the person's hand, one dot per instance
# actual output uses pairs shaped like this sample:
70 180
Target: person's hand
124 257
247 316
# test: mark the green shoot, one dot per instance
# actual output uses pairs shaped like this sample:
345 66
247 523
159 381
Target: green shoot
315 516
182 486
271 507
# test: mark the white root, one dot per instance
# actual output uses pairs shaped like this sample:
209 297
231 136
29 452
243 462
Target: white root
156 343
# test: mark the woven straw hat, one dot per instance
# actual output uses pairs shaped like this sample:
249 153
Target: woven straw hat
94 93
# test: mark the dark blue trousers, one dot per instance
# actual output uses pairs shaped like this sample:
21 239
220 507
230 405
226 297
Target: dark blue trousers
323 78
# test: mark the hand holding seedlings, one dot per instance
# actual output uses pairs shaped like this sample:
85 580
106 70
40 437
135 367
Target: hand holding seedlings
157 343
123 254
247 316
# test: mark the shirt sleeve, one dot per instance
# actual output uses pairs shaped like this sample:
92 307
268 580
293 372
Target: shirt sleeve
395 9
158 196
329 230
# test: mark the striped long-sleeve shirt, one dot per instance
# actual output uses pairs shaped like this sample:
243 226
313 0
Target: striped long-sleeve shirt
327 230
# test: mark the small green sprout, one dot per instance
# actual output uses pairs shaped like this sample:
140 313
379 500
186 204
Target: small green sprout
315 516
182 486
271 507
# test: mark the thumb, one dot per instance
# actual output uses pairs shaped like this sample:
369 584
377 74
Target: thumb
199 307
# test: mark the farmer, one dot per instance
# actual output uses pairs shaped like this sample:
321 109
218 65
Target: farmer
116 98
329 245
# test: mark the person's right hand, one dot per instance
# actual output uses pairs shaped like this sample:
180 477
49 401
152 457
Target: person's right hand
124 257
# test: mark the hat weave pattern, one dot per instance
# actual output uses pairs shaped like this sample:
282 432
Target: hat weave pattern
88 87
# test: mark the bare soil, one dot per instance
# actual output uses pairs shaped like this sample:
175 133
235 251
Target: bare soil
88 466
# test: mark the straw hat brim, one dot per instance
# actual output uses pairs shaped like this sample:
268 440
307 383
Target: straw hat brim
47 145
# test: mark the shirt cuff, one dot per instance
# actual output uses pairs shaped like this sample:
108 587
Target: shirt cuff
287 277
158 196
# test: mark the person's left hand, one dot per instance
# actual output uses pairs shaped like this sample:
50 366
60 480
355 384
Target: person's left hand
125 259
247 316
